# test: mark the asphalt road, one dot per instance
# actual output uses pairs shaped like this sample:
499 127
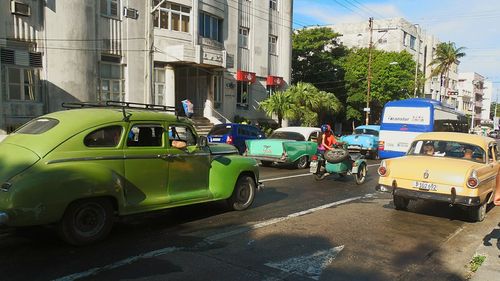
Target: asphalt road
297 229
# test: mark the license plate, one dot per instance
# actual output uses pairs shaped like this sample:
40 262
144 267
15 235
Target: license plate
313 166
215 139
425 186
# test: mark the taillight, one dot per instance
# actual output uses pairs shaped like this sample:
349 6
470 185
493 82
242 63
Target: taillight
229 140
381 145
473 181
382 170
314 158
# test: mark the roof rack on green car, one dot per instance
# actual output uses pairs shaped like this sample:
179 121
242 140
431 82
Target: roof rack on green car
123 105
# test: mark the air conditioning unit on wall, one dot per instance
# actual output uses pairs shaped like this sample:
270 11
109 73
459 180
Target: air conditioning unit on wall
19 8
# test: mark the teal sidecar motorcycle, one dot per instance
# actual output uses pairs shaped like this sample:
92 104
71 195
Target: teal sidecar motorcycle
340 162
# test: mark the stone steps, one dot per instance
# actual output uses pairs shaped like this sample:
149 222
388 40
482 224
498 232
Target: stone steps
202 125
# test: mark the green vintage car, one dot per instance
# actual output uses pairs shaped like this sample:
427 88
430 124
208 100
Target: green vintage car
82 168
292 145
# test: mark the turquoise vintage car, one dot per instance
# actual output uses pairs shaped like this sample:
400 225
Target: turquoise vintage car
82 168
286 145
364 139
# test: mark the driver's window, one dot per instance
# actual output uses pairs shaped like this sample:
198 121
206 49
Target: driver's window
313 136
181 133
491 153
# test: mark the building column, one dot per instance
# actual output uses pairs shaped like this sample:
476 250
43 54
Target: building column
169 85
209 103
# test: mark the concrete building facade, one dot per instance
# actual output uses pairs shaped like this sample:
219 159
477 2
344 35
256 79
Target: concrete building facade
487 101
470 96
396 35
225 56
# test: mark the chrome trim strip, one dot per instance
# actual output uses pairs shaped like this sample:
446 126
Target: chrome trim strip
131 157
488 179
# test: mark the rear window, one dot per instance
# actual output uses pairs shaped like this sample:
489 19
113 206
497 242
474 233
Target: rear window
287 136
219 130
37 126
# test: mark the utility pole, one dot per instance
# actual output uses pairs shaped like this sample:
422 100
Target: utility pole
368 81
416 62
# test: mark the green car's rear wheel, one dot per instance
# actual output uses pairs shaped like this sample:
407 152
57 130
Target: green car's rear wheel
86 221
243 193
302 162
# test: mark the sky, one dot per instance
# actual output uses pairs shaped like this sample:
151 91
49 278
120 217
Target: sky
473 24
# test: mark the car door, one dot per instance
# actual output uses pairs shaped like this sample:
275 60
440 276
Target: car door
146 166
188 170
493 166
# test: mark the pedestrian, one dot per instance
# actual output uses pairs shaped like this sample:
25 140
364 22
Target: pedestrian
188 108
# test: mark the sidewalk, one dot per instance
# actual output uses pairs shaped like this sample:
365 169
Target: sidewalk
490 248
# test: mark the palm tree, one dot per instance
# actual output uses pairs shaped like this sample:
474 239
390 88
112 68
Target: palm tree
446 55
279 103
328 104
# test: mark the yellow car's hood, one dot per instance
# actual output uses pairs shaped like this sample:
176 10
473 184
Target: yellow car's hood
432 169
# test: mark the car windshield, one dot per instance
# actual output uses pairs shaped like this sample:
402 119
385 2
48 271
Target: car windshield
287 136
366 132
450 149
38 126
219 130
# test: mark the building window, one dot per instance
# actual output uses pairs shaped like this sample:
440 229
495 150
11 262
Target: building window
109 8
112 82
243 37
21 84
171 16
412 42
159 86
273 4
218 89
242 94
210 27
273 43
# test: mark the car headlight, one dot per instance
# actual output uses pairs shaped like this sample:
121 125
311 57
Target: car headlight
6 186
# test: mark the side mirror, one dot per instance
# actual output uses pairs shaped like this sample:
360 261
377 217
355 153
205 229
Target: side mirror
202 141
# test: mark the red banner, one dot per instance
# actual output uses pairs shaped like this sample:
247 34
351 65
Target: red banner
245 76
275 81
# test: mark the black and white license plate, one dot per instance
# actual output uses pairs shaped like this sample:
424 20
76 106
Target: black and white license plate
313 166
425 185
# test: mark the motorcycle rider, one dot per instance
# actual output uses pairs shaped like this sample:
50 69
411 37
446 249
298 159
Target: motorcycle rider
327 140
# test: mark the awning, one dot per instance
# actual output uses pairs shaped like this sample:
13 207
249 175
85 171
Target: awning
245 76
275 81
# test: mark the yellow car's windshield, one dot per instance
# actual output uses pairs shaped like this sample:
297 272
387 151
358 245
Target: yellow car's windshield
450 149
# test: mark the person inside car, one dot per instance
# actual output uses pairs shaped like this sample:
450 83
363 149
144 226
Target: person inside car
429 149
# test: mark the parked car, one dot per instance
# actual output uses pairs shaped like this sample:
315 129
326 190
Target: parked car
286 145
456 168
364 139
235 134
81 168
493 134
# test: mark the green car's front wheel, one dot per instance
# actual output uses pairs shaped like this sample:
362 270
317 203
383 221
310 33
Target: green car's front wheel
86 221
243 193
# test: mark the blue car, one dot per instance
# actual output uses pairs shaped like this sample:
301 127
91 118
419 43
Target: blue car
364 139
235 134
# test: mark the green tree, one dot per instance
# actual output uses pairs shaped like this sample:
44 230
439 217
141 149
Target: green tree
446 56
303 103
317 58
279 103
393 76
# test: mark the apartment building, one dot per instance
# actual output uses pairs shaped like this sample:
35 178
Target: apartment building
471 86
225 56
396 35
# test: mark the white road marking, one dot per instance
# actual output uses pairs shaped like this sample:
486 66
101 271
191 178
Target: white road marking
308 266
209 239
117 264
371 165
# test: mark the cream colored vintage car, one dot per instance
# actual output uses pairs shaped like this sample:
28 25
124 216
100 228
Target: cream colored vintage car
456 168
